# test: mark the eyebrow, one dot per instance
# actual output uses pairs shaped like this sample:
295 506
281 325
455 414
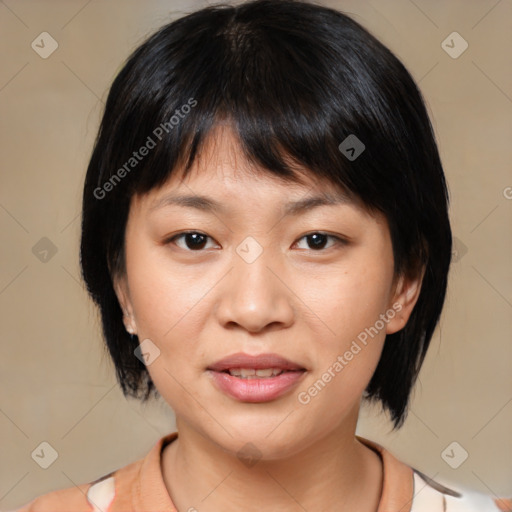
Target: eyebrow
209 204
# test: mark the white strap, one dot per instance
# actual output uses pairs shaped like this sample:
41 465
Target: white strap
101 494
426 498
429 499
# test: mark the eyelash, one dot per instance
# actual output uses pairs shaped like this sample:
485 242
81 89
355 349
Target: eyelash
338 240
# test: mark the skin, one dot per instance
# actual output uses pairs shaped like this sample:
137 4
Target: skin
305 304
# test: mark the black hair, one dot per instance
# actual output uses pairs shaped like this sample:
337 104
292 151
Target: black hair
294 79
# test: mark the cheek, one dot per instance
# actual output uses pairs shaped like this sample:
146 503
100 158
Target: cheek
349 304
168 304
349 301
164 295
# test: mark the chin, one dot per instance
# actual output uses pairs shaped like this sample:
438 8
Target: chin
259 438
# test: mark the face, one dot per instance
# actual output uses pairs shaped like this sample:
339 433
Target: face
302 296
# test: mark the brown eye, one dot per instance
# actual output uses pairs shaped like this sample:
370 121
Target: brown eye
317 241
194 240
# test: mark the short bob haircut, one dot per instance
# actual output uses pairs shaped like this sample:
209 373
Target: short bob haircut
294 79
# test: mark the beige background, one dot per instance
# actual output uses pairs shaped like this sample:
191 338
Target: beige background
57 384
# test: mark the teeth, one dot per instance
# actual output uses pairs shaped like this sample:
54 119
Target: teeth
268 372
251 373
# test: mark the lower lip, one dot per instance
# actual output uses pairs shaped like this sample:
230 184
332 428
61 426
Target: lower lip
258 389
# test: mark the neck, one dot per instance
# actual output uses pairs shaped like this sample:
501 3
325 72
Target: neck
335 473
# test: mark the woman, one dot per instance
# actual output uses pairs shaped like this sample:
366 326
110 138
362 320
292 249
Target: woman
265 231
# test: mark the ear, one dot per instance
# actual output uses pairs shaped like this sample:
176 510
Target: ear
123 296
406 293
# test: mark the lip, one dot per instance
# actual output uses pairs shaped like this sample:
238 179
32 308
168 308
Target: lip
261 361
256 390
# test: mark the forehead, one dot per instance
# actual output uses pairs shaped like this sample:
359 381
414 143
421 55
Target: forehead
221 170
221 159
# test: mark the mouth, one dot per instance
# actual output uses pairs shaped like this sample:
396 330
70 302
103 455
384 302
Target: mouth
259 378
253 373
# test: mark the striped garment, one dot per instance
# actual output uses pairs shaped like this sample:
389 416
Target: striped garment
139 487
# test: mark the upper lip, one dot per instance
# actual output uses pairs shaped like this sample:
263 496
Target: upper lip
259 362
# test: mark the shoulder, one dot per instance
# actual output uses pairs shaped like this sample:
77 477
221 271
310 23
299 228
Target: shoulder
408 489
430 495
60 500
121 489
98 495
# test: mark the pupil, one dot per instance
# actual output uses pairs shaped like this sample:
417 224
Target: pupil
318 240
195 237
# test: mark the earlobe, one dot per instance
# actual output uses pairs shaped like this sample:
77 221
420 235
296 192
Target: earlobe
123 296
405 297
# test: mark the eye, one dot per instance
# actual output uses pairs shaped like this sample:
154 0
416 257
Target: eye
194 240
318 240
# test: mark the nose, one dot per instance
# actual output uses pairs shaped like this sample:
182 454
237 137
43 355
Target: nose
255 295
